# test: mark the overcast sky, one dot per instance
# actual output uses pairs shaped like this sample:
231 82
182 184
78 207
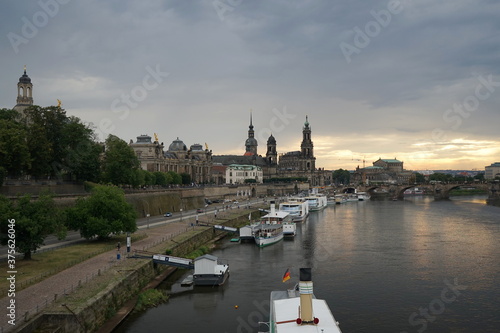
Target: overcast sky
415 80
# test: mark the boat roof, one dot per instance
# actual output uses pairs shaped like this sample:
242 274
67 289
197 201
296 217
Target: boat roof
286 312
278 214
207 256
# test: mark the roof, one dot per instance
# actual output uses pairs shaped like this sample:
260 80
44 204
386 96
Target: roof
244 167
207 256
240 159
390 160
278 214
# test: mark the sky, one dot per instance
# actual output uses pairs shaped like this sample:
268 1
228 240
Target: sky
414 80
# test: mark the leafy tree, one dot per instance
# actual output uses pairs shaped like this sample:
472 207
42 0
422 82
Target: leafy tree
14 152
185 178
103 213
160 178
120 163
419 178
341 176
34 221
479 176
176 178
3 173
441 177
149 178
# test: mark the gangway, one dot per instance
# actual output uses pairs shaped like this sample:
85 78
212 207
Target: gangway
164 259
224 228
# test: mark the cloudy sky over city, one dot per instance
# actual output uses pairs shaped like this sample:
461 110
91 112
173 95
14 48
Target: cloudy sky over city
413 80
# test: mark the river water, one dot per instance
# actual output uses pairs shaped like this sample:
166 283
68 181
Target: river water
415 265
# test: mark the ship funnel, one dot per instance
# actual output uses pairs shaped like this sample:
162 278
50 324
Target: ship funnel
273 209
306 293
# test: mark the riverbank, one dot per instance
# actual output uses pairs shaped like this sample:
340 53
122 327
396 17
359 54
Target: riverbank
87 306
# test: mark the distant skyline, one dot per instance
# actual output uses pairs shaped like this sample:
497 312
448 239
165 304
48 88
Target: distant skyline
414 80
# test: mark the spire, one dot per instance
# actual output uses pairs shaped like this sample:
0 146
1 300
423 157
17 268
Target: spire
251 125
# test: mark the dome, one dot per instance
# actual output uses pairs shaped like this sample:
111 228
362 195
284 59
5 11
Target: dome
177 145
251 142
25 78
196 147
271 140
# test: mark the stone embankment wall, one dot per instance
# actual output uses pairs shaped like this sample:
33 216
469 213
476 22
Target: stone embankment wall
96 310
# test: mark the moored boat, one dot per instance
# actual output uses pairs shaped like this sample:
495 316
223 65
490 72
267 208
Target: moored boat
296 207
316 202
270 229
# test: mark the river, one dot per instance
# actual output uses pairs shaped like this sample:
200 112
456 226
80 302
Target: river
415 265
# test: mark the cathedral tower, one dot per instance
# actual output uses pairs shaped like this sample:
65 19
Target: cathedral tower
272 155
24 92
251 142
306 148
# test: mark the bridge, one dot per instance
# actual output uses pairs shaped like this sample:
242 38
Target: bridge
440 191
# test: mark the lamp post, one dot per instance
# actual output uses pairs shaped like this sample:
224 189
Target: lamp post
147 215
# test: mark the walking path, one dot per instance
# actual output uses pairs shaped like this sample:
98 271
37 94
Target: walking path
35 298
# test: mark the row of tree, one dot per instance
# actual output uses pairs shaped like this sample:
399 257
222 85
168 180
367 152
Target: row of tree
100 215
45 143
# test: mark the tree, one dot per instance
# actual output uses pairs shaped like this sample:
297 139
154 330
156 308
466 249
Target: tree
419 178
160 178
120 162
176 178
103 213
14 152
34 221
185 178
341 176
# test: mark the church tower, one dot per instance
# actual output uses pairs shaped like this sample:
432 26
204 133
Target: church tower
306 148
271 155
251 142
24 93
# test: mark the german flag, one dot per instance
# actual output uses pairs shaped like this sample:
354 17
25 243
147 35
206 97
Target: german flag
286 276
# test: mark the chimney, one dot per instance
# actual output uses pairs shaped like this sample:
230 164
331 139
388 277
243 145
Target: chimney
273 209
306 293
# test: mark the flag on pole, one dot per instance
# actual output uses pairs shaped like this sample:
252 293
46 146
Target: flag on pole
286 276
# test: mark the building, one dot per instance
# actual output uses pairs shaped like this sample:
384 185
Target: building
24 93
492 171
240 174
295 164
383 171
195 161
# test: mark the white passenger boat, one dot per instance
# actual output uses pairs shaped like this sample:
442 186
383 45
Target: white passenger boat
270 230
316 202
296 207
300 311
340 199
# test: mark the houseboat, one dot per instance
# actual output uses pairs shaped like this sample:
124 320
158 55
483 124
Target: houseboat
209 272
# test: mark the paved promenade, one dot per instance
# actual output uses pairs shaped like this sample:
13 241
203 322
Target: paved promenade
35 298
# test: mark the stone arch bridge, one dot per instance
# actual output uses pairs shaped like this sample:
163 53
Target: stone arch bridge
440 191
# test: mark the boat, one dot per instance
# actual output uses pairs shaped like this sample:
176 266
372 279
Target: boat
188 280
298 310
270 228
340 199
296 207
209 272
316 202
281 217
350 197
362 196
247 232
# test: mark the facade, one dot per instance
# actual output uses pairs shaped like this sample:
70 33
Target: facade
492 171
238 174
195 161
383 171
295 164
24 93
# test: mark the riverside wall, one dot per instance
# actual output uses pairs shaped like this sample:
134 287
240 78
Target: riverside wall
95 311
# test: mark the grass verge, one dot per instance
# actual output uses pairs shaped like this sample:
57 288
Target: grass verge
48 263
